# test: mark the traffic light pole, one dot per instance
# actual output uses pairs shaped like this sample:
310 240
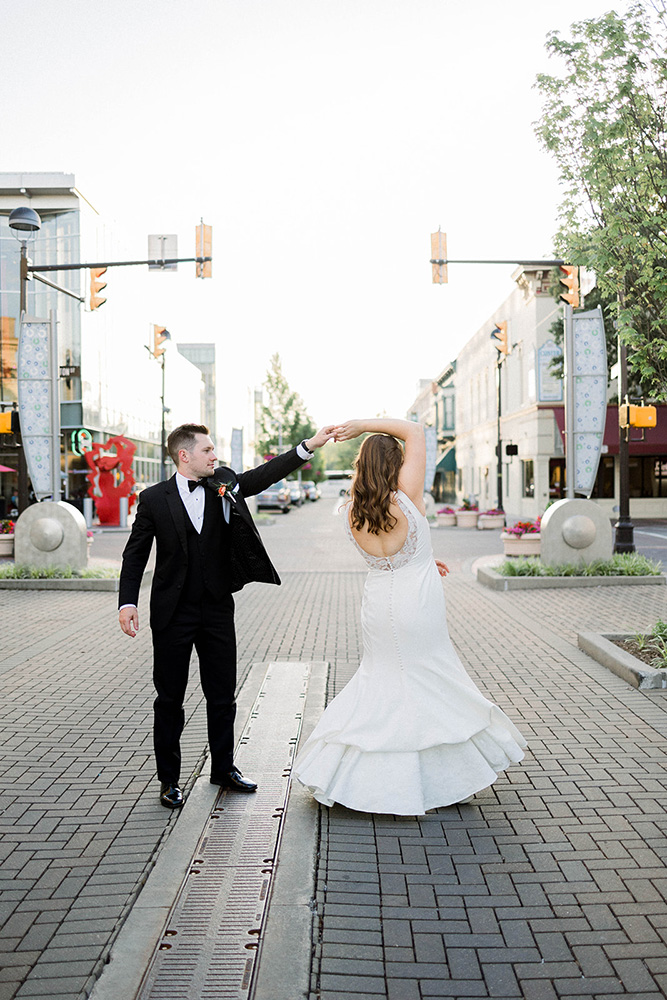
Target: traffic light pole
624 538
499 445
163 432
569 402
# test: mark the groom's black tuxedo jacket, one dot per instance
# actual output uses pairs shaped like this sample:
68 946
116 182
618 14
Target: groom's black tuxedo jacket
162 516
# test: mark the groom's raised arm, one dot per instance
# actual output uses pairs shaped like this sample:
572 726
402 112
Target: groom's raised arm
260 478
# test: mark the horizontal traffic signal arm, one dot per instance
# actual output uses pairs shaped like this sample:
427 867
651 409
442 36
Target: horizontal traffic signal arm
520 263
34 268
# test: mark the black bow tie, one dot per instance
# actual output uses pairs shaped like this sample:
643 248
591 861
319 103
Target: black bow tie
194 483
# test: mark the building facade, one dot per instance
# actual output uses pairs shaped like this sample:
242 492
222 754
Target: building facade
113 386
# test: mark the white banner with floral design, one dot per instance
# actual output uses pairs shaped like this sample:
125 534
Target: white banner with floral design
35 404
590 396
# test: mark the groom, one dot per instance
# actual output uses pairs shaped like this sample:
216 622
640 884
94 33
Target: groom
207 548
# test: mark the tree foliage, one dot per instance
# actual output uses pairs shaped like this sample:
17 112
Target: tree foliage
604 121
284 420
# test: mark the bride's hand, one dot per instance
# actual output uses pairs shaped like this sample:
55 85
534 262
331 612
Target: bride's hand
347 431
443 570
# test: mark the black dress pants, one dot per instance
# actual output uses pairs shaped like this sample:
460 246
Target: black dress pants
208 626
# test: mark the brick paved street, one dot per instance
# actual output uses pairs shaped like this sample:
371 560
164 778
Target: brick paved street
550 884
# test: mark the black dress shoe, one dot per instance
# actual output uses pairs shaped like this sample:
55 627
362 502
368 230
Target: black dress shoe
171 796
234 780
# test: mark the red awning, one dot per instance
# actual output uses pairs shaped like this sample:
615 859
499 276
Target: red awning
655 438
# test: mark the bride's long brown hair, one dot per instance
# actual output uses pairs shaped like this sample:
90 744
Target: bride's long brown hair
375 479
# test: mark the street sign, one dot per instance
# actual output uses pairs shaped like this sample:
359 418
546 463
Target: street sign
161 247
70 371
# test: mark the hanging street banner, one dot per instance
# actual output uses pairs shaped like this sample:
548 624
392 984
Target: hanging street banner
549 386
590 396
39 406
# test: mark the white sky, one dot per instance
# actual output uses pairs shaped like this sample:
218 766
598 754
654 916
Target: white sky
324 140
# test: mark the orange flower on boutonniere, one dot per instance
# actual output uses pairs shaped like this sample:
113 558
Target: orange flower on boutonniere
223 490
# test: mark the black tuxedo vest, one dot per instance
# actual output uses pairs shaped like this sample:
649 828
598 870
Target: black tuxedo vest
208 570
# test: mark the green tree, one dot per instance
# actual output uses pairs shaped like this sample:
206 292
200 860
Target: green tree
604 121
284 420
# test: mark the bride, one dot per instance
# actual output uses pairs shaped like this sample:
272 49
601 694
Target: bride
411 731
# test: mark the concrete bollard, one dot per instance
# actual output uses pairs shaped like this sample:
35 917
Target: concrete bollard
88 511
123 502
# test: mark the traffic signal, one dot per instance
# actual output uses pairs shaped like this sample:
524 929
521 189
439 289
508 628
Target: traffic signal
499 337
203 248
96 286
569 276
439 258
6 422
160 334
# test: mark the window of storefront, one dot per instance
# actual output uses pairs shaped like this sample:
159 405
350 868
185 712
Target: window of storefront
604 483
528 478
648 475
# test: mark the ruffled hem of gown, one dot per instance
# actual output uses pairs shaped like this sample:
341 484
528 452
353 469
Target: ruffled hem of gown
407 783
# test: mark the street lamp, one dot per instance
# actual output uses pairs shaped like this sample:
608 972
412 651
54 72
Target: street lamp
26 222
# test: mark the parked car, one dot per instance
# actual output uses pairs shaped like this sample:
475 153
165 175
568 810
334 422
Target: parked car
312 489
297 493
276 497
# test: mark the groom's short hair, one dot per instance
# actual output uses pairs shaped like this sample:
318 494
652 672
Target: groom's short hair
184 437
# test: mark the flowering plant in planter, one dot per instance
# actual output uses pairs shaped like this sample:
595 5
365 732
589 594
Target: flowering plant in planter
524 528
446 510
6 527
468 505
495 512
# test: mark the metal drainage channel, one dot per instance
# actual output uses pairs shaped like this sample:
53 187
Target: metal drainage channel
212 935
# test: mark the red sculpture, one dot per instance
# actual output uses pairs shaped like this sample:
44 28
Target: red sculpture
110 477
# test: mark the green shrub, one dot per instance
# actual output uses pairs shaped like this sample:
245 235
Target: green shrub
621 564
10 571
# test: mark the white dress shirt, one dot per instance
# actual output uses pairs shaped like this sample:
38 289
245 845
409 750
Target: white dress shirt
193 501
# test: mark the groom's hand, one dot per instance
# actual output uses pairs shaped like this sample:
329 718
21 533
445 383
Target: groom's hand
129 621
323 435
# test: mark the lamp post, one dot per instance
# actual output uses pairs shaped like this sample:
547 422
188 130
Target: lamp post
25 222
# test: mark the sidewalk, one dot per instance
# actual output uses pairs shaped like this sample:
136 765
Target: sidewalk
551 883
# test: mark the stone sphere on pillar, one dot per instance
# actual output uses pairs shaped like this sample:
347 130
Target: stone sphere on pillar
51 534
575 532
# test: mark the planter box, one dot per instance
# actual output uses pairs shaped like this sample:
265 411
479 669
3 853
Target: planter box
641 675
446 520
488 576
491 521
6 545
466 518
521 545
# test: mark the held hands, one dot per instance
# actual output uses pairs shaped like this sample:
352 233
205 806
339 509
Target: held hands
128 619
323 435
350 429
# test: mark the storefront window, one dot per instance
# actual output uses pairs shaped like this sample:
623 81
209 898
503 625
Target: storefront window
648 476
528 478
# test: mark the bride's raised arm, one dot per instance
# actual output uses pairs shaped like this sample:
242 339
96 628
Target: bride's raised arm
411 478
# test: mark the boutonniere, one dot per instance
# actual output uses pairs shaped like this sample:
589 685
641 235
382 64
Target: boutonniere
223 489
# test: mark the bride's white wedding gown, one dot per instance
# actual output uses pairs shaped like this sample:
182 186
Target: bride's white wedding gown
410 731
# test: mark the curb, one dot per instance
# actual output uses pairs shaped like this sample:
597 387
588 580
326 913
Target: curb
489 578
601 648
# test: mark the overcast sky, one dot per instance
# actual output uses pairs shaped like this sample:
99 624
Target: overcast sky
324 141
